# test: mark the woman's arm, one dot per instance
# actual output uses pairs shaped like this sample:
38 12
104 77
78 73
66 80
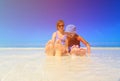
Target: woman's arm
84 42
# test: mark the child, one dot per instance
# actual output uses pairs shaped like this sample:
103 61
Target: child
74 42
57 45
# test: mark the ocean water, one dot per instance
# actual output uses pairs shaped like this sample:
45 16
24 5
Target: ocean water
31 64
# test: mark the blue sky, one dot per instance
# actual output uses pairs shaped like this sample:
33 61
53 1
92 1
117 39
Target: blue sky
32 22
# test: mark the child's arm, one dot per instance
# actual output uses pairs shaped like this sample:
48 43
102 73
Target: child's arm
84 42
53 37
53 40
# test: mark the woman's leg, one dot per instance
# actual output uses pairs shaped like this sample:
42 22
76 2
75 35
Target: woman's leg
75 50
81 52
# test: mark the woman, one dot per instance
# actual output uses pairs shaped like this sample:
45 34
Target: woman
74 42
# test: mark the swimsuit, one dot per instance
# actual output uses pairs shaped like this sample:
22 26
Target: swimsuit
73 41
62 39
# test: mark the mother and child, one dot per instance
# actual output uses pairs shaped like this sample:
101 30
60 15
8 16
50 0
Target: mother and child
66 42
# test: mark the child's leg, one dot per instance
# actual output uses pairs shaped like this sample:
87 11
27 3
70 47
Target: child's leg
59 48
49 48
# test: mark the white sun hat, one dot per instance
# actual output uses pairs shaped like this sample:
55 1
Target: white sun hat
70 28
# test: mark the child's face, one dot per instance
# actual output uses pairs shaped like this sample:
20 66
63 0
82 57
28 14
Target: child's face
61 27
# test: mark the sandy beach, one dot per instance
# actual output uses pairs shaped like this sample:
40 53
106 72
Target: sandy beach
31 64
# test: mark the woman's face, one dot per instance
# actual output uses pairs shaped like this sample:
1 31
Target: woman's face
60 27
71 35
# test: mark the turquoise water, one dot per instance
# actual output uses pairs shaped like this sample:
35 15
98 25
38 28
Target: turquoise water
43 43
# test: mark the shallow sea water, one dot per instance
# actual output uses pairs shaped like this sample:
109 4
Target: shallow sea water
33 65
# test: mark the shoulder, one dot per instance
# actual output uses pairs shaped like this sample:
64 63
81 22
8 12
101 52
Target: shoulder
54 34
76 35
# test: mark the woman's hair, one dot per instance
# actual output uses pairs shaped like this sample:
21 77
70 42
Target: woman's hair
58 22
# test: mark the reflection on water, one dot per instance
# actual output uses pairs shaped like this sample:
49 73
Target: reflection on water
65 68
33 65
100 66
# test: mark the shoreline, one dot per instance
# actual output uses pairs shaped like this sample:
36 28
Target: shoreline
42 48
